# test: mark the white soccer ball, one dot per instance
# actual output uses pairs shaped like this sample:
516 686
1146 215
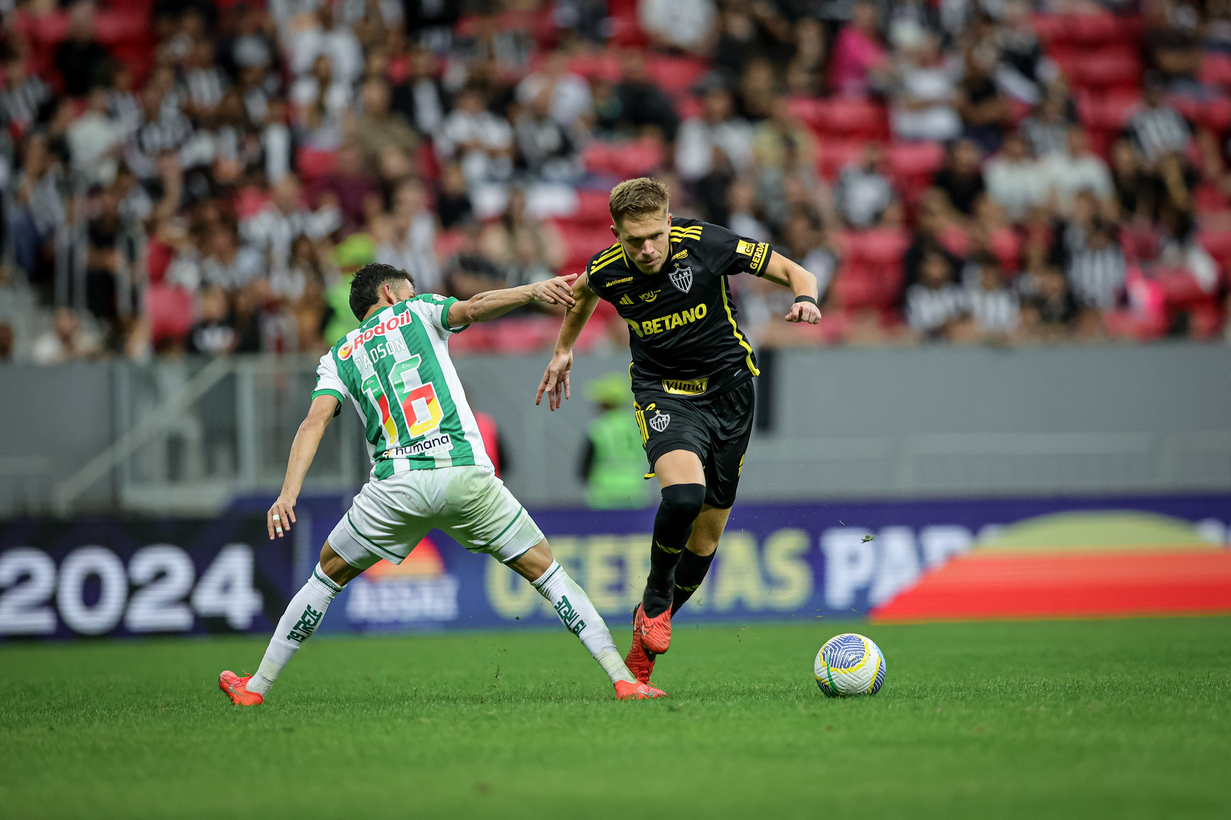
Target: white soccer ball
849 664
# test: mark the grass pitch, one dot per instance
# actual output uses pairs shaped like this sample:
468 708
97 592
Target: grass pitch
1118 718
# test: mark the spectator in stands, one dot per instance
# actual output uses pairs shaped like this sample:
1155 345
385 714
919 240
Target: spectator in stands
204 82
637 104
23 94
1157 129
378 126
349 188
716 139
741 207
453 203
1136 192
66 341
858 56
1047 128
783 141
38 206
1013 179
935 301
961 178
83 63
421 98
1173 46
1076 169
228 264
688 25
1050 308
319 98
95 139
406 236
279 223
863 192
924 87
1097 271
477 139
163 128
804 75
547 149
523 248
1023 71
215 333
994 307
567 94
982 106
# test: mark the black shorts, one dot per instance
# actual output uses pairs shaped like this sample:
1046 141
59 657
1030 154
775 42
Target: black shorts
717 429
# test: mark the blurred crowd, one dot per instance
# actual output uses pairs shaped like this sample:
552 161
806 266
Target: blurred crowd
188 176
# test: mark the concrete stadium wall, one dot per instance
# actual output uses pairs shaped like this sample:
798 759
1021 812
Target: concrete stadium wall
845 423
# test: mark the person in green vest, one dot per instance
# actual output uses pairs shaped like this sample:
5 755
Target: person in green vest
613 464
350 255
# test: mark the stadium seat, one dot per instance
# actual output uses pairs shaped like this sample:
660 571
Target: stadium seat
581 242
878 247
313 164
169 311
1217 244
1115 67
591 209
624 159
841 117
249 201
912 164
449 243
834 154
675 75
1106 112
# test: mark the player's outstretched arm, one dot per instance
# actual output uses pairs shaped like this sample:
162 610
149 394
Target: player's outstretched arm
491 304
303 449
802 283
555 378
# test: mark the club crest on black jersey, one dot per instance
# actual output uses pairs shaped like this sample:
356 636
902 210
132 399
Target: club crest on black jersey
684 328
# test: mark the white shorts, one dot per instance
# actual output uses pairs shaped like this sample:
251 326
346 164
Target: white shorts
473 507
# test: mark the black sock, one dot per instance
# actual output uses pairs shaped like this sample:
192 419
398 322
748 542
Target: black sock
689 574
680 506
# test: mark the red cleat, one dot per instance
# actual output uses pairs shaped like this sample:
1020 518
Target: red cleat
654 633
237 689
637 691
639 661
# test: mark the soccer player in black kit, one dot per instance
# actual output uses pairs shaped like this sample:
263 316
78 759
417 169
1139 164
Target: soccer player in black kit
692 379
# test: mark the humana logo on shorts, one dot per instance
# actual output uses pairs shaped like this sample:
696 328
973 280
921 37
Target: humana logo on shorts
570 617
307 624
420 447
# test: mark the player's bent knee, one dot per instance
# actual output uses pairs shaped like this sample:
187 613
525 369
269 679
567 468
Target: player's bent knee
683 500
532 563
336 567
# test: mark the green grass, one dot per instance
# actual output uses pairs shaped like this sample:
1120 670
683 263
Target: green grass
1117 718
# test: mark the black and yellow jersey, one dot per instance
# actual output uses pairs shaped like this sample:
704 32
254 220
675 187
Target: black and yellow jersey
685 339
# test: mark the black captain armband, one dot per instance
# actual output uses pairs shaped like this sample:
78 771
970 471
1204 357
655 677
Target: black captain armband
805 298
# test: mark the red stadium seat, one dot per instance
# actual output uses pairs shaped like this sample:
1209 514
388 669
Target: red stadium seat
524 334
591 209
1208 199
841 117
1216 70
1106 112
169 311
313 164
675 75
1217 244
581 242
912 163
878 247
448 244
626 159
1115 67
833 155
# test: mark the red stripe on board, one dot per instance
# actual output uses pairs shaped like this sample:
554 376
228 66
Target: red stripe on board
1082 585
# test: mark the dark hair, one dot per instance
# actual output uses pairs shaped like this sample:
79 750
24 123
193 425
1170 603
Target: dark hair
366 285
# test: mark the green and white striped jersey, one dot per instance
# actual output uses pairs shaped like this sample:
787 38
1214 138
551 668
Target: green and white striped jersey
395 368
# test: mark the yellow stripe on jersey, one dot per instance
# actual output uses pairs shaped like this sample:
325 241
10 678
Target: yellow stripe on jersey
608 256
690 233
739 337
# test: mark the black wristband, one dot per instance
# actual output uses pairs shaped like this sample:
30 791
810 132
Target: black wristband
805 298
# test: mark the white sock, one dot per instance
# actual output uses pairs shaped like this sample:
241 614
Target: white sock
303 615
582 619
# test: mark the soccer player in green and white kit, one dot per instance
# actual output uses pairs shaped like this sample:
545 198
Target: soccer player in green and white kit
429 467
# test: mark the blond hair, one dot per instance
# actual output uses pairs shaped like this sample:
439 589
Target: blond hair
638 197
